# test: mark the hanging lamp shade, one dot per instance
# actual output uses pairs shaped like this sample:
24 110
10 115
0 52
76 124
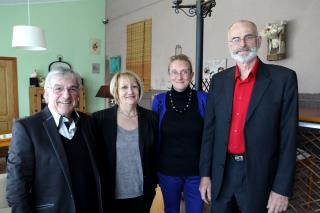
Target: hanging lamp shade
28 38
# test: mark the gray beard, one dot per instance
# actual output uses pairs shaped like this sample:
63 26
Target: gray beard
245 58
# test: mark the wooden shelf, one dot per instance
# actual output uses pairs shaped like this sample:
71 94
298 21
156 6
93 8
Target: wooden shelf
37 102
309 114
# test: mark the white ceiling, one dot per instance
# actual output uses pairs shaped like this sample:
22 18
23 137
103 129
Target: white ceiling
19 2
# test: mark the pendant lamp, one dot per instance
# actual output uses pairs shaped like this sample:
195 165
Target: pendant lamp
28 37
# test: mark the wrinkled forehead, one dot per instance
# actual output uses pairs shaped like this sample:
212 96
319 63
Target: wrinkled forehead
240 29
179 64
63 80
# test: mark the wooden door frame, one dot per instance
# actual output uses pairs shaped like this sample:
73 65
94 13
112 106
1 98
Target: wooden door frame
14 83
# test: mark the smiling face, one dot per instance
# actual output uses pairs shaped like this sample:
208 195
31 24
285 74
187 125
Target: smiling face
128 91
180 75
63 94
243 41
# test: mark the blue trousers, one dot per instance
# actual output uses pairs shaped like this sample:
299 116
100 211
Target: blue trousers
173 186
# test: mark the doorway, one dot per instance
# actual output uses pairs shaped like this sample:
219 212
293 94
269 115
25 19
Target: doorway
8 92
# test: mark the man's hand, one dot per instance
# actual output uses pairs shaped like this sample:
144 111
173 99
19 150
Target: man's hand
277 203
205 189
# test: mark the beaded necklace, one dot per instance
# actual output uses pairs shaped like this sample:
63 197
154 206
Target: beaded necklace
127 115
177 109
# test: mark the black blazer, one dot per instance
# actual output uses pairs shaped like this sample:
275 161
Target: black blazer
38 172
270 133
105 125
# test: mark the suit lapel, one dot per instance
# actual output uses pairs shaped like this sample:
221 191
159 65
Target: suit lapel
88 138
262 82
110 134
114 129
141 128
56 144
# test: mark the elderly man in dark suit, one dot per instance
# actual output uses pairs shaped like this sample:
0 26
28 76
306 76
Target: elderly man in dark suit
51 164
248 151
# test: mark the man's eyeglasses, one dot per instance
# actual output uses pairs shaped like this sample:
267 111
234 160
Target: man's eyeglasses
182 72
246 38
60 89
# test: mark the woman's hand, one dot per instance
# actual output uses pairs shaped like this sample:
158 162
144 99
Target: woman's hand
205 189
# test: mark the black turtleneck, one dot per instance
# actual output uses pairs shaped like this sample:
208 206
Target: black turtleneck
181 135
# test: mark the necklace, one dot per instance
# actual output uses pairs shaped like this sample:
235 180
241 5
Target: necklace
127 115
177 109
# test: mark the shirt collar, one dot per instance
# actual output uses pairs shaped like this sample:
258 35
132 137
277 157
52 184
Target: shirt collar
57 116
253 71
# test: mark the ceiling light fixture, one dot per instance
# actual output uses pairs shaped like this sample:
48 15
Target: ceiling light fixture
28 37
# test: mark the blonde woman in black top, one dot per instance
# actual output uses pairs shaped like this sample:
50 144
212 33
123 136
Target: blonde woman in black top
126 137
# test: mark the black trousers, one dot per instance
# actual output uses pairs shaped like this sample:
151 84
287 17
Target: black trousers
141 204
233 195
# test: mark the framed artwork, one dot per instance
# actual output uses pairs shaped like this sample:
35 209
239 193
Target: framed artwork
276 38
95 68
95 46
115 64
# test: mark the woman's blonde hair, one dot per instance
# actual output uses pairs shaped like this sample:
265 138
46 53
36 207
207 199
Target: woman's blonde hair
128 75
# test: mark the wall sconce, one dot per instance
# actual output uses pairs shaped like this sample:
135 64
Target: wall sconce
178 50
105 21
28 37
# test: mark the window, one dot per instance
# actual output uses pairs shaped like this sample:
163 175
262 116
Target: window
138 57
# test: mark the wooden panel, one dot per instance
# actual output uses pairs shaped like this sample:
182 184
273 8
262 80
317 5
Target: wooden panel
36 100
309 114
82 100
3 91
157 205
135 43
147 55
8 92
5 139
138 57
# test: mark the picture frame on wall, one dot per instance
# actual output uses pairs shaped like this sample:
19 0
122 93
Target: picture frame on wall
115 64
95 46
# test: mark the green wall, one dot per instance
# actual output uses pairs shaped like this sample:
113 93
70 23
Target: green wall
68 27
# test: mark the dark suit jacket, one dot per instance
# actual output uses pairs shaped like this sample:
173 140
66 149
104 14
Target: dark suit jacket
105 122
38 173
270 133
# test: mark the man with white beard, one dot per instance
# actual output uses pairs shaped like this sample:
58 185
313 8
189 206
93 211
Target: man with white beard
247 160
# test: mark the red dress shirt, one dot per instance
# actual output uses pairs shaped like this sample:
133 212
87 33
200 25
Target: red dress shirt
241 100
